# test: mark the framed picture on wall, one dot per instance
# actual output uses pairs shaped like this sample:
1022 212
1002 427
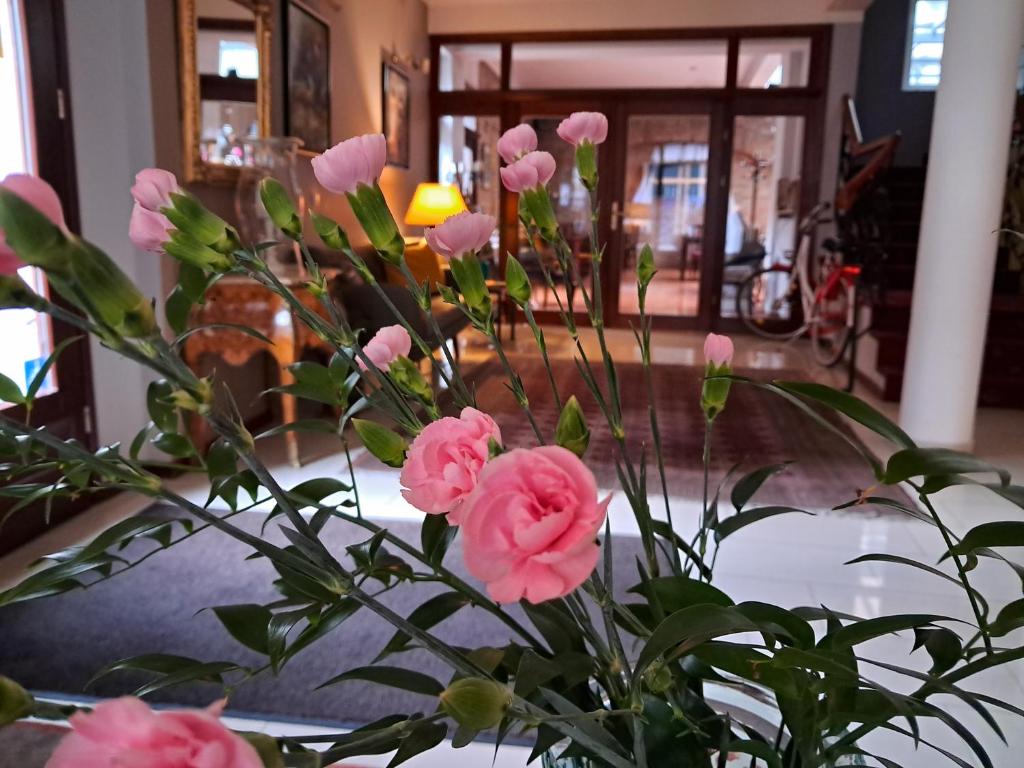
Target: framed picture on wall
307 83
395 103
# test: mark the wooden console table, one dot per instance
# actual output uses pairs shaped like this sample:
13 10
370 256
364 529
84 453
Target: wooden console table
242 301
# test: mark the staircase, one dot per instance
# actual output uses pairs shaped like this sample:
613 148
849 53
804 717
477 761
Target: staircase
1002 378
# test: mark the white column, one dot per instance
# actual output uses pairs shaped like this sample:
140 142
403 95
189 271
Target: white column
962 210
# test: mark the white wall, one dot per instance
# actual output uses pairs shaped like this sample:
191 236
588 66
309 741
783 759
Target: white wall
113 130
447 16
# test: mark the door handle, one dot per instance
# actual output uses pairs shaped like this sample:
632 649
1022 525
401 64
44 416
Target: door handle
616 216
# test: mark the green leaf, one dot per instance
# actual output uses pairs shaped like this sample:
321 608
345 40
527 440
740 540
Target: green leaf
1005 533
850 406
758 749
663 529
730 525
247 623
428 615
779 622
266 748
394 677
302 425
161 410
925 462
1011 617
868 629
689 628
40 377
436 535
9 391
222 326
171 670
15 702
174 444
385 444
677 592
424 737
749 484
943 645
556 625
178 308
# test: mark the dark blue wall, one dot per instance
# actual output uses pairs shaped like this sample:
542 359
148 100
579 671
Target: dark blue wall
882 104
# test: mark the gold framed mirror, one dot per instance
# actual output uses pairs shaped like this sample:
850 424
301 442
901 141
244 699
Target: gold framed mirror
224 55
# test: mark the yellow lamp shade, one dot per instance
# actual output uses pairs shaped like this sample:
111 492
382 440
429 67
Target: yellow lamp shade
433 203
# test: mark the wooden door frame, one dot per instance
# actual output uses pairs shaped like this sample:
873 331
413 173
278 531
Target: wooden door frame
722 103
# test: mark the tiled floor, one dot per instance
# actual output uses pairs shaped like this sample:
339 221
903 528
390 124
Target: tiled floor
792 560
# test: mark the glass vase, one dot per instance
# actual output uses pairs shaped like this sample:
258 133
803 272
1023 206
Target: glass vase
263 158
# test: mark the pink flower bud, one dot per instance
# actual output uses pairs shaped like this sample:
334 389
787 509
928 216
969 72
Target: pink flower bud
718 350
460 234
533 169
584 126
153 188
386 346
516 142
41 196
149 230
355 161
126 731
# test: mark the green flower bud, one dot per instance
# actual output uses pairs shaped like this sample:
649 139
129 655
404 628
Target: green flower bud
469 275
406 375
572 432
476 704
517 282
538 203
333 236
373 213
447 294
280 207
15 702
189 215
15 293
645 270
715 391
36 239
586 164
187 249
385 444
104 291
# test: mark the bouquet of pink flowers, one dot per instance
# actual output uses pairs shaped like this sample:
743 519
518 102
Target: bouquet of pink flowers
588 677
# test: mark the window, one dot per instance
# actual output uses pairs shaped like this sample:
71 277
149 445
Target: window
924 45
774 63
470 67
27 335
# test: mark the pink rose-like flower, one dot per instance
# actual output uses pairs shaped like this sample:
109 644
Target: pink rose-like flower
718 350
460 234
39 195
355 161
530 526
533 169
153 188
149 230
444 461
126 732
584 126
387 345
516 142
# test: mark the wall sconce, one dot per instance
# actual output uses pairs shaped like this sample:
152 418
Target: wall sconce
407 61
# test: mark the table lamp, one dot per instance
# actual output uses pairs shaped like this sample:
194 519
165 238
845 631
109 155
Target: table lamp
433 203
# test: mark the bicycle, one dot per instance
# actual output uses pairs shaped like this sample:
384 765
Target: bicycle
828 300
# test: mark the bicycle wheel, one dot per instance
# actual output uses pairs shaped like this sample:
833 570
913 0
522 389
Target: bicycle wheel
830 326
753 308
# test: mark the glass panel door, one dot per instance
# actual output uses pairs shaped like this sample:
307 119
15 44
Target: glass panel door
28 337
763 213
663 204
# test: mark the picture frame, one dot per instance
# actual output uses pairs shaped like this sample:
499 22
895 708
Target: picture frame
395 106
307 81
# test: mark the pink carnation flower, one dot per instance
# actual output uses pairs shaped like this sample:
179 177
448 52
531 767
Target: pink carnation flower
153 188
531 525
516 142
355 161
149 230
460 234
718 349
584 126
533 169
41 196
126 732
386 346
445 460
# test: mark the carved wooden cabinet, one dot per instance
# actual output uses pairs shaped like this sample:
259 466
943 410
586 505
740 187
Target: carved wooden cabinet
243 302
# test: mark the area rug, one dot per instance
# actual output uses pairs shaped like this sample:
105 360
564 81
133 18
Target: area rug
755 430
57 644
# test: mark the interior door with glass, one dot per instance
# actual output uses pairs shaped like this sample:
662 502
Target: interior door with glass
663 200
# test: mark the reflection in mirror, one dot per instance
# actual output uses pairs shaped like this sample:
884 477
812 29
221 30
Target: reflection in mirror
227 59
